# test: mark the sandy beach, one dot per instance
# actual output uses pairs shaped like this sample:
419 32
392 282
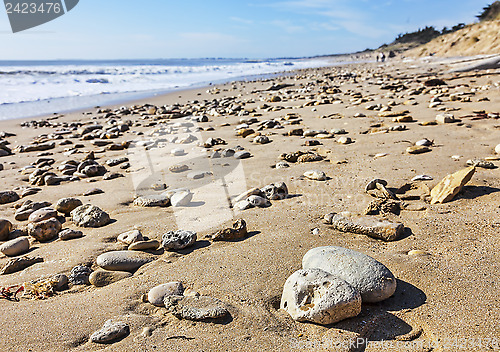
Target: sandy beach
446 262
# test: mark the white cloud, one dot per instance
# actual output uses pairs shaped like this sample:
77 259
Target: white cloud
287 26
241 20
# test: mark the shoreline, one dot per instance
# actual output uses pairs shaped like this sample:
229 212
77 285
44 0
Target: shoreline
112 99
434 262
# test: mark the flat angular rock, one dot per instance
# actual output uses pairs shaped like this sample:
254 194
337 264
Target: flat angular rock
67 205
18 264
88 215
130 237
371 278
8 197
181 199
317 296
179 239
101 278
110 332
152 201
445 118
27 208
236 232
45 230
418 149
366 225
5 228
251 192
144 245
449 186
123 260
195 308
157 294
15 247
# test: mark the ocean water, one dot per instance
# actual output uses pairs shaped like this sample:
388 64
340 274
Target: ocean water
33 88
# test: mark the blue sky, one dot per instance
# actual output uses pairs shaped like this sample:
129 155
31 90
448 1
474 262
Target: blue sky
124 29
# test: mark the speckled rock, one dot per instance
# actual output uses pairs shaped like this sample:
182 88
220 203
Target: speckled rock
69 234
195 308
123 260
110 332
371 278
80 275
89 216
236 232
317 296
15 247
67 205
366 225
157 294
179 239
45 230
101 278
274 191
152 200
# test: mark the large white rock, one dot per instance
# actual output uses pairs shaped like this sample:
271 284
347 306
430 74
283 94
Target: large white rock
497 149
157 294
371 278
319 297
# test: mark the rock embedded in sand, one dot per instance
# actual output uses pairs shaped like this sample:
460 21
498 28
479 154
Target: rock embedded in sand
258 201
179 239
8 197
195 308
445 118
366 225
5 229
36 147
123 260
152 200
44 230
157 294
418 149
101 278
88 215
80 275
110 332
130 237
449 187
481 163
236 232
69 234
144 245
19 263
15 247
497 149
261 140
93 191
317 296
67 205
315 175
372 279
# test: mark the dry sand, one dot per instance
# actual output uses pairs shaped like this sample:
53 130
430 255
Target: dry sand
446 296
